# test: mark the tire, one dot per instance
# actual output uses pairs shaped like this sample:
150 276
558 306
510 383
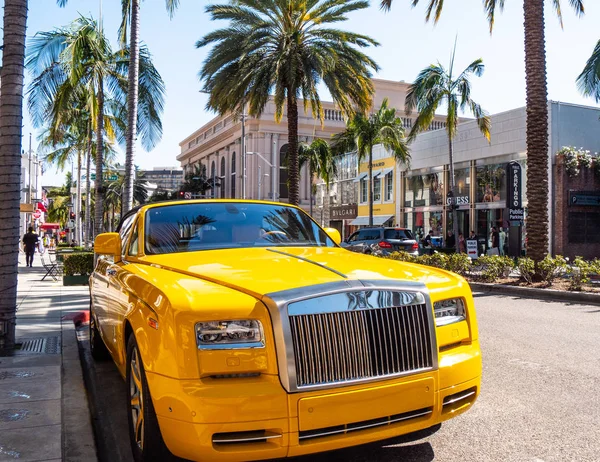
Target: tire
147 444
97 347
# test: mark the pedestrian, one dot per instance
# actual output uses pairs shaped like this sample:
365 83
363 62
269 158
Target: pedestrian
450 240
30 242
462 244
495 238
502 240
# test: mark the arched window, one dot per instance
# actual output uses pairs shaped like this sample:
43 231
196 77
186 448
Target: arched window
283 173
222 177
233 175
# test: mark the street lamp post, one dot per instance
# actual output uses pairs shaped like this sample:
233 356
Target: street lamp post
259 170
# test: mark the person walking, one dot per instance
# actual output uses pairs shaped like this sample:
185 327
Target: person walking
502 240
30 242
462 244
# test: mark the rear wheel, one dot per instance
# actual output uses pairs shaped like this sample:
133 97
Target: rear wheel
147 443
97 347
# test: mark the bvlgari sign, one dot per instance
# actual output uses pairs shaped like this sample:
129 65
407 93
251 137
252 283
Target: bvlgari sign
513 192
344 212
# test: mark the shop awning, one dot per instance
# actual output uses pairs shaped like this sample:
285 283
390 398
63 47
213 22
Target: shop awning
50 226
360 177
377 220
385 171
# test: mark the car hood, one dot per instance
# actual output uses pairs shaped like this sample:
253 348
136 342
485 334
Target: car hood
259 271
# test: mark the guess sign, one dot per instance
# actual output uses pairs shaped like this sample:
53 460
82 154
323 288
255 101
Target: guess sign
459 200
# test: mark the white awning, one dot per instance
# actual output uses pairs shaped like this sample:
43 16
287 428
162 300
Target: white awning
376 173
385 171
377 220
360 177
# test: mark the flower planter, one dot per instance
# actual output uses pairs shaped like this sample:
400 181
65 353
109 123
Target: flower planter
76 280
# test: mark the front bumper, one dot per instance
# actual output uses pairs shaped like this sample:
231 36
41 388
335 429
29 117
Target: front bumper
194 413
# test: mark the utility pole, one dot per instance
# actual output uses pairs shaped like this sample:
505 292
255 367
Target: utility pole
29 174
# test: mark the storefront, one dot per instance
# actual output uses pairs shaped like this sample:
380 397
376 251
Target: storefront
341 218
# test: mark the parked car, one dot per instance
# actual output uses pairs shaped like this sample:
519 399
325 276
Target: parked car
245 332
385 240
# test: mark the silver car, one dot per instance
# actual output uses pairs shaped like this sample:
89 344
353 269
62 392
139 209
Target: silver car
386 240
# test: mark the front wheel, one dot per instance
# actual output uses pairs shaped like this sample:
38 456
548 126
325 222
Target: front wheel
147 443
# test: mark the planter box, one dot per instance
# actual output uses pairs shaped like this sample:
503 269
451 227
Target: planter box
76 280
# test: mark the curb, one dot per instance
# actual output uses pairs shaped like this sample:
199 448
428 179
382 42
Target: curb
78 437
532 292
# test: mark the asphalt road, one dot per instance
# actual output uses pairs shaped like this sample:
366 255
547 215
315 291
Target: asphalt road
539 401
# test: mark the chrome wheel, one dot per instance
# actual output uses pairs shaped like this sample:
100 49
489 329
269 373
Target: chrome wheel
136 399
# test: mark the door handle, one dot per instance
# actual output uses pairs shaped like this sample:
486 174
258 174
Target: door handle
111 272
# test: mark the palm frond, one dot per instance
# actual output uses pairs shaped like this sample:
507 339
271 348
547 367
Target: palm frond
588 82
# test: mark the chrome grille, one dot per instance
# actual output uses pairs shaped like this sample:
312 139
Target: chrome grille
360 344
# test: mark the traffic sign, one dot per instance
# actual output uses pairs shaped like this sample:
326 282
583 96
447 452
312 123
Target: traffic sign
108 177
70 224
187 195
37 214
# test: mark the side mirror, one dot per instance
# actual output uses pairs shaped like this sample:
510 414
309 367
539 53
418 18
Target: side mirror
108 244
334 234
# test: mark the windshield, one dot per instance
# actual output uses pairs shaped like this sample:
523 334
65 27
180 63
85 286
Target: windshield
221 225
397 234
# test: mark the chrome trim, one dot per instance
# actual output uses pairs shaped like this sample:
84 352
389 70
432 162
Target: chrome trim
364 427
232 346
308 260
251 439
457 398
381 293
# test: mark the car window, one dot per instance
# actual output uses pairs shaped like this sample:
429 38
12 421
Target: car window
220 225
353 238
397 234
124 231
369 234
133 242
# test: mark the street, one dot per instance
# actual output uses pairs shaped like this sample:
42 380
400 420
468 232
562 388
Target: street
539 399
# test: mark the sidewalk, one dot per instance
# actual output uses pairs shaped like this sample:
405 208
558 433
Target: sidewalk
44 414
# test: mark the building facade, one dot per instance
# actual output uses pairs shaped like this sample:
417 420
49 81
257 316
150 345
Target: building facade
165 178
417 197
217 146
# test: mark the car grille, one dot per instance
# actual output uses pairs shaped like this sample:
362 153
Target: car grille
360 344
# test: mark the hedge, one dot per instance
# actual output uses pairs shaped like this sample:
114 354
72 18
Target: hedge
78 263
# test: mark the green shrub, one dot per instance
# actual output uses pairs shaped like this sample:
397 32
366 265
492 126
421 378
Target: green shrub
526 268
551 268
403 256
78 263
459 263
436 259
494 267
579 273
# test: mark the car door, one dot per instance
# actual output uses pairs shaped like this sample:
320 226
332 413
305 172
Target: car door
117 293
350 244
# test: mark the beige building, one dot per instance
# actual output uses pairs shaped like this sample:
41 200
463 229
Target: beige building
217 146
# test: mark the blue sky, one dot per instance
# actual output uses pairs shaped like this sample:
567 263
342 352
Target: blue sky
408 44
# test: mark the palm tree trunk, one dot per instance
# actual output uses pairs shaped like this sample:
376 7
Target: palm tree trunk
78 236
132 105
294 175
537 130
88 199
99 209
371 189
11 121
453 189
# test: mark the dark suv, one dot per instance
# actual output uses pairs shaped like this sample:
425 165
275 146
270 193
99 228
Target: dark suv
387 240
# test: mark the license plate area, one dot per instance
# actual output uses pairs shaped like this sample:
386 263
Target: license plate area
375 402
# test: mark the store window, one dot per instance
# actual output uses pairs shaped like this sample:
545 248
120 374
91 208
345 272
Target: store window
364 190
420 223
376 189
424 190
491 183
389 186
583 227
233 175
462 181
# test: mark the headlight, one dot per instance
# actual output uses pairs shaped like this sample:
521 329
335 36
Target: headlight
449 311
218 335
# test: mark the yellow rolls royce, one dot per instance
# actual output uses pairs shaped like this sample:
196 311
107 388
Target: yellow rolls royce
244 332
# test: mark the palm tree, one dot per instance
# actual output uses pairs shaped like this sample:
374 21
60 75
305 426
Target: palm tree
197 182
437 86
78 60
320 161
131 12
588 81
537 109
285 48
363 132
11 122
